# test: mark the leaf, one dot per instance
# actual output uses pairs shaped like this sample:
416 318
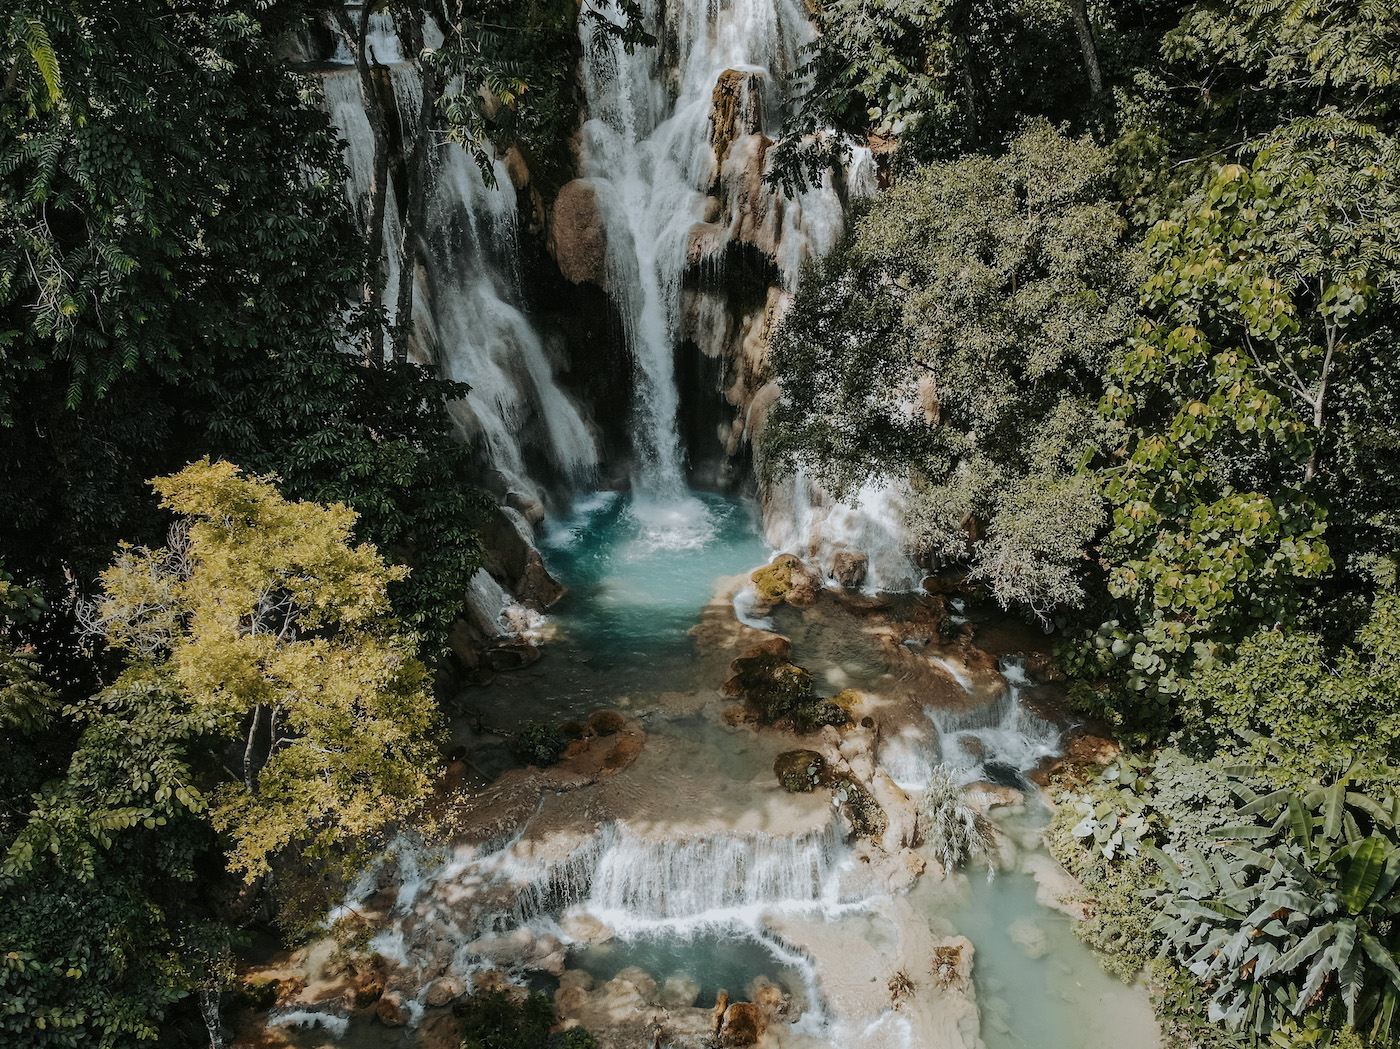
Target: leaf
1309 945
1363 872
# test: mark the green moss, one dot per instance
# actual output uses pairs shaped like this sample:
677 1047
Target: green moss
799 771
606 722
774 581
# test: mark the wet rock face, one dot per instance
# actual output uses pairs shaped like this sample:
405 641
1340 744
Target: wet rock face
736 109
849 568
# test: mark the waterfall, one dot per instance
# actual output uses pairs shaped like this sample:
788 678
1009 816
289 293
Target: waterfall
627 880
675 188
468 305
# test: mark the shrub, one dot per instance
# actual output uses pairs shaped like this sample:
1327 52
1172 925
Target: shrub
537 743
955 831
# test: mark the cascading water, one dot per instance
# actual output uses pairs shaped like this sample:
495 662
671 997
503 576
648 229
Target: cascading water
467 304
668 179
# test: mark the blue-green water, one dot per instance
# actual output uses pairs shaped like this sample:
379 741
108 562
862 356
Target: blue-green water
718 959
638 574
638 577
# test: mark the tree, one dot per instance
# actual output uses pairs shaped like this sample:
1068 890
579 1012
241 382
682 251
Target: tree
271 625
175 259
1248 404
941 76
1308 708
959 337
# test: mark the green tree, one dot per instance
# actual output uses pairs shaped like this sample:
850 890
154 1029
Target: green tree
272 626
1306 707
175 256
1250 404
959 337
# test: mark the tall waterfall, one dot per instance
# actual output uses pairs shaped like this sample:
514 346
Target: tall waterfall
468 304
665 186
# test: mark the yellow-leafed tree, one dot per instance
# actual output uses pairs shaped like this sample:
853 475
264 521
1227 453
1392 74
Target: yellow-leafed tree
265 615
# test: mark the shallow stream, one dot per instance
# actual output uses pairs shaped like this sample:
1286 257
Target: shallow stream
638 580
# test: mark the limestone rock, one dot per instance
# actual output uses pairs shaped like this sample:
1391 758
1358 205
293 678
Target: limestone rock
849 568
680 991
578 236
391 1010
443 991
1030 937
736 109
743 1024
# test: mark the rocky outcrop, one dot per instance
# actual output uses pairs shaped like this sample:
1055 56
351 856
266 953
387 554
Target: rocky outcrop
849 568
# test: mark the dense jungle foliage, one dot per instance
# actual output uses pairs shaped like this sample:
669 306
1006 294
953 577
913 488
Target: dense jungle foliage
183 287
1124 329
1123 321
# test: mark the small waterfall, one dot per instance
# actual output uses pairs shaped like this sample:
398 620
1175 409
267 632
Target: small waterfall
468 302
998 741
629 880
804 520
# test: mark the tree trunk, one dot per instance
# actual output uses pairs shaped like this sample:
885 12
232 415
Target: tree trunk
354 35
1079 9
420 172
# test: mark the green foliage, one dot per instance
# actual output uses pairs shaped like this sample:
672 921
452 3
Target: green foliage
1245 405
1308 708
525 56
98 895
1293 910
538 743
960 336
501 1020
278 632
174 261
944 76
1340 54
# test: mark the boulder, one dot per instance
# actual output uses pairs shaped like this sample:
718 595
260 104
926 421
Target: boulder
391 1010
849 568
443 991
578 236
680 991
511 558
799 771
743 1024
606 722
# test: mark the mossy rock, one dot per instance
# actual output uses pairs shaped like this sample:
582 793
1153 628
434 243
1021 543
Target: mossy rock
773 581
777 690
573 730
606 722
799 771
848 699
867 817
